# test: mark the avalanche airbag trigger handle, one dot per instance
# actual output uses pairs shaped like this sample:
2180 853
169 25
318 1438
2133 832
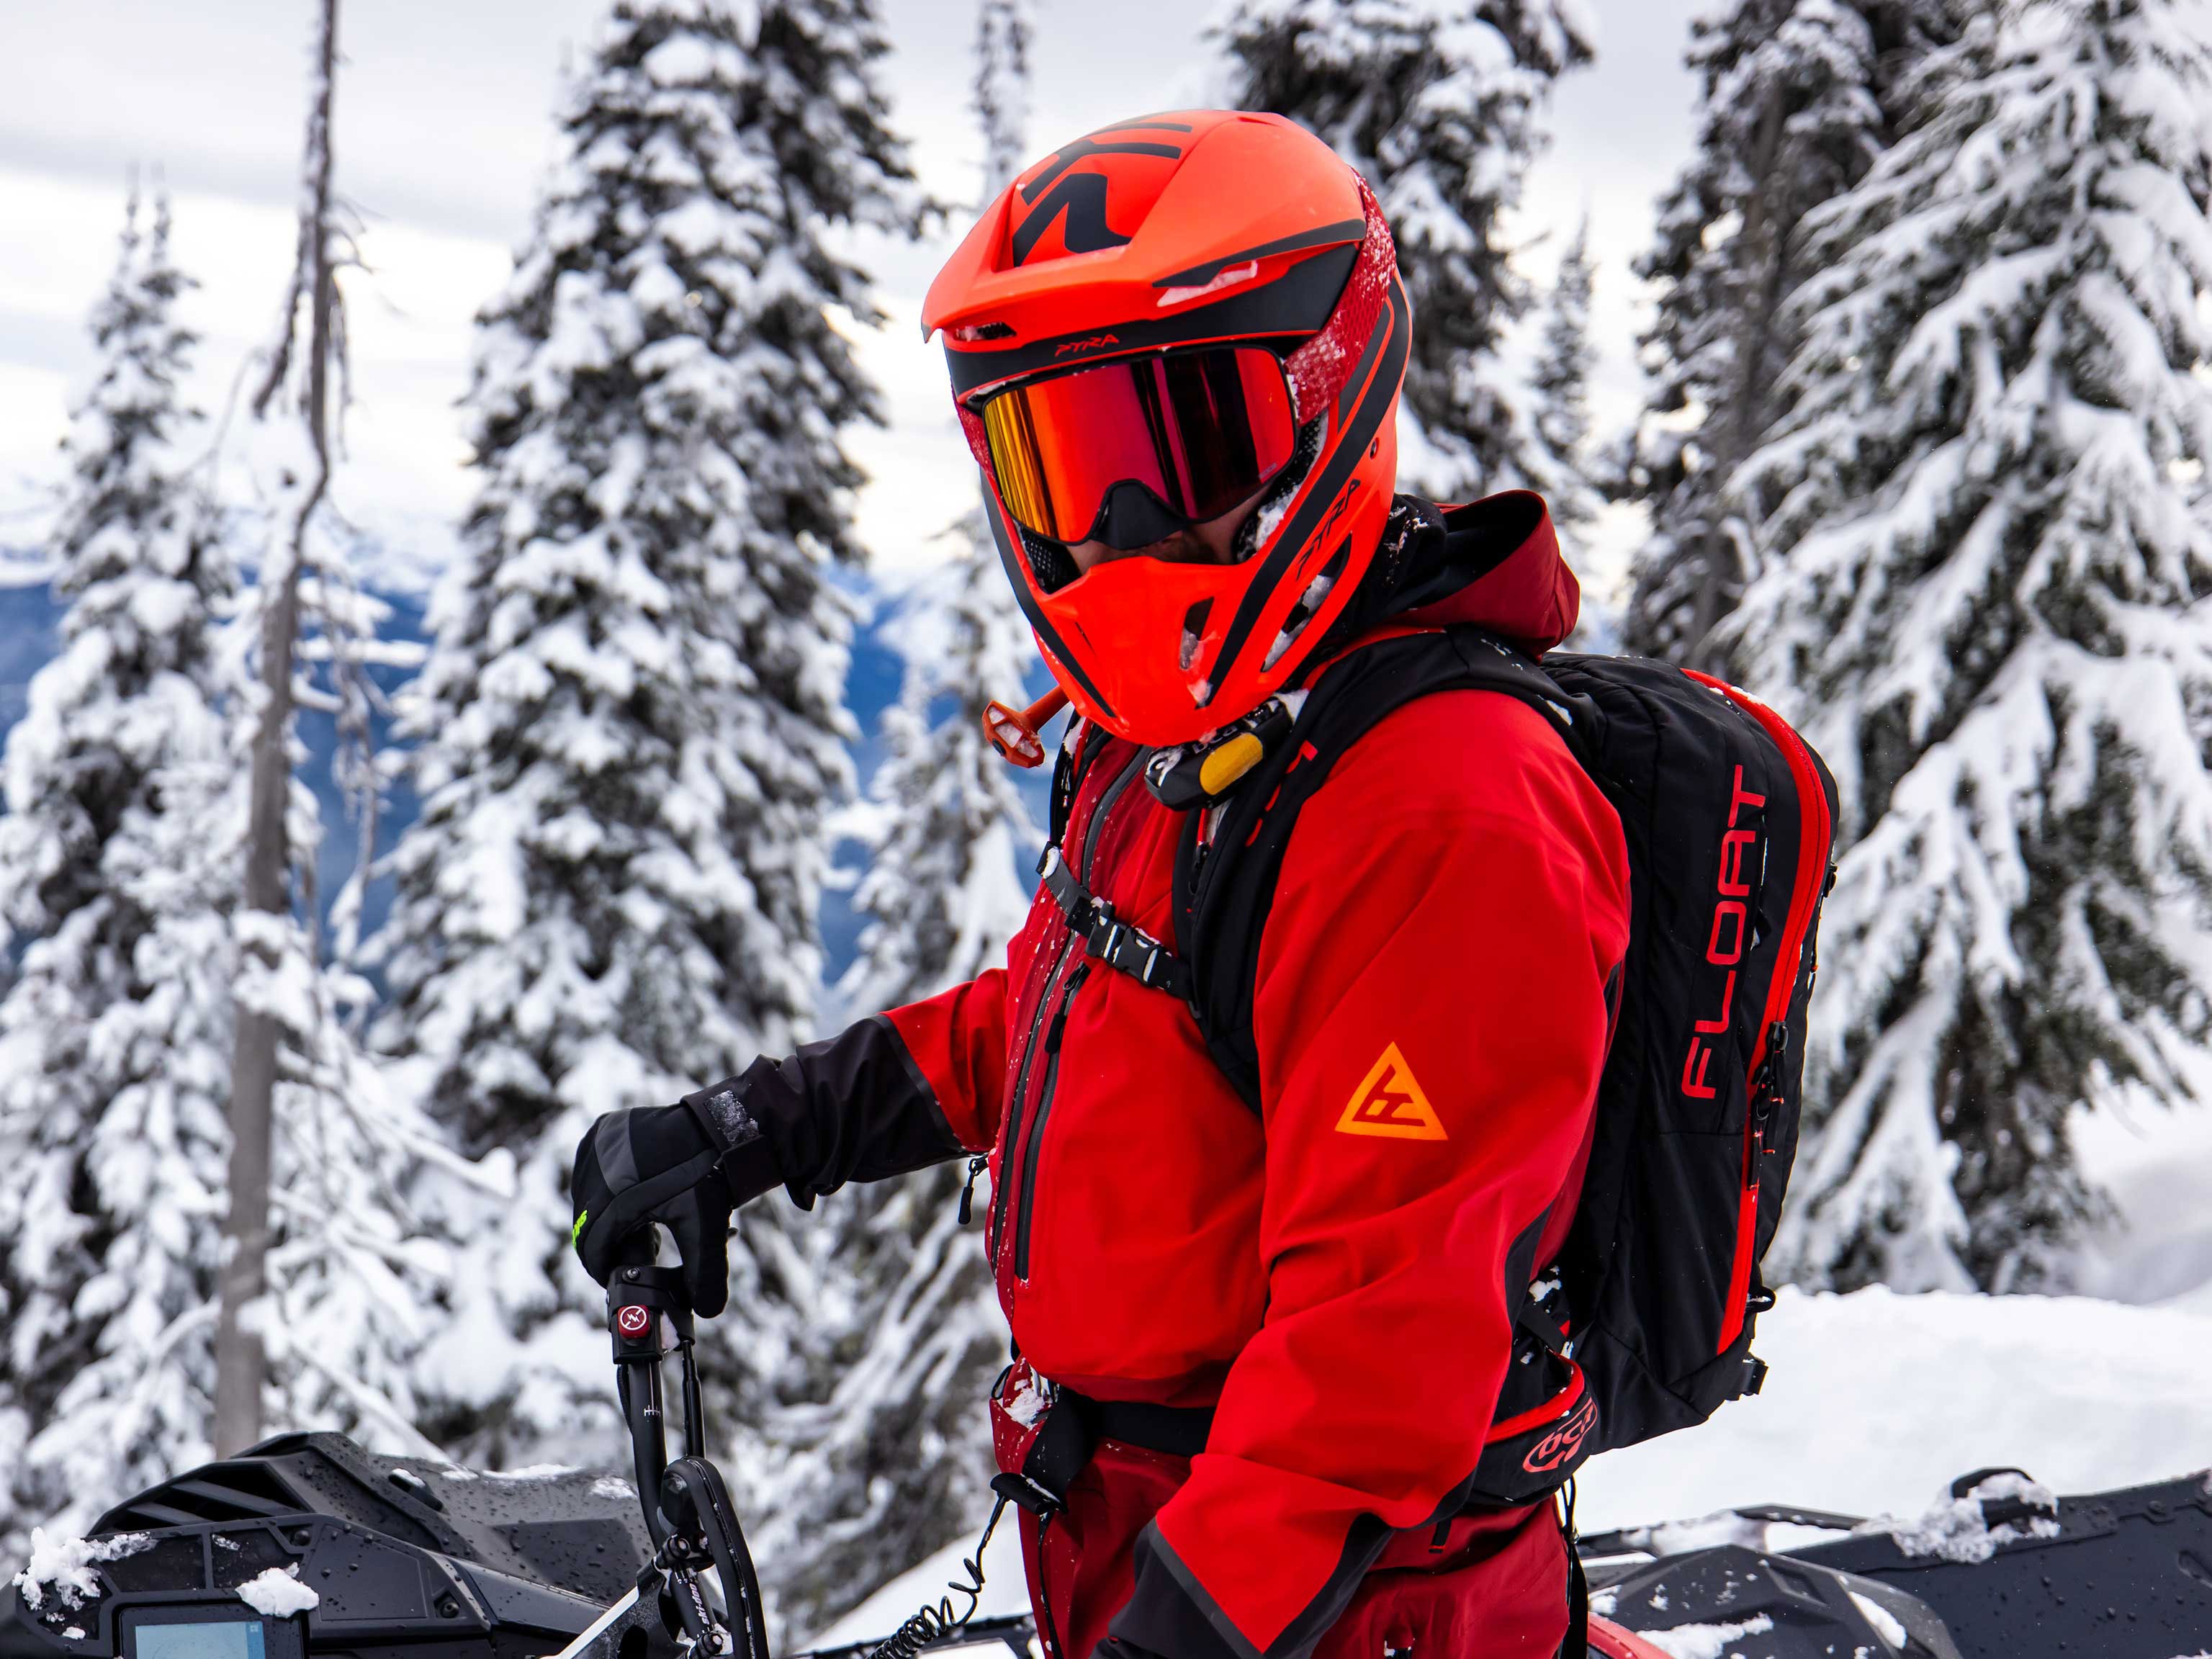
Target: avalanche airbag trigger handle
1013 732
647 1303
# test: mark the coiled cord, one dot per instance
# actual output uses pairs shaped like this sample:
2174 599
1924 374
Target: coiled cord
932 1624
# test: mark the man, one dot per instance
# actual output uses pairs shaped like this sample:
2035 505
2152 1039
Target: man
1176 348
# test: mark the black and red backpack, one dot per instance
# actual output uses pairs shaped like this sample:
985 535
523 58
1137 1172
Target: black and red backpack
1644 1321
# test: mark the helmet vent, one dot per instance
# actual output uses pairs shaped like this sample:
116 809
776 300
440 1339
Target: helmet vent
1052 564
984 331
1311 601
1193 633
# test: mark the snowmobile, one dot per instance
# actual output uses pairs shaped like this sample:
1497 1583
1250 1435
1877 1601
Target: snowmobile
306 1547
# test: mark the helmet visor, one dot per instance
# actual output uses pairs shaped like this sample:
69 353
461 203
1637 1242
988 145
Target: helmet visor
1198 431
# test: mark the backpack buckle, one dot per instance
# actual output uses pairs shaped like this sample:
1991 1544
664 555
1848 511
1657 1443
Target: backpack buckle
1188 775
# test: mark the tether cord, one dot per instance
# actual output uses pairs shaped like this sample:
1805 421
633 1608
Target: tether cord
1577 1645
931 1623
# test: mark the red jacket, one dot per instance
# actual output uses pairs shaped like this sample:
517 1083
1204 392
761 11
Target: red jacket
1452 905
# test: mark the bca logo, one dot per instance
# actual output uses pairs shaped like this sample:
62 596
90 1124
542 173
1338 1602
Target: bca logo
1560 1445
634 1321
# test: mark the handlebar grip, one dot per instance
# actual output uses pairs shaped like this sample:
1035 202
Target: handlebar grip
640 1248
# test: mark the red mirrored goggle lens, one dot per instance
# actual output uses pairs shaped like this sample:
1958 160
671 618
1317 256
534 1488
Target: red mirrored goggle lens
1201 430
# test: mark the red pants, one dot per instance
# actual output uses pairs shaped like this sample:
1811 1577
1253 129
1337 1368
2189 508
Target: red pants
1497 1588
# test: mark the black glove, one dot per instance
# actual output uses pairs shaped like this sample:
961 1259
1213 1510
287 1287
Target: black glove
687 1166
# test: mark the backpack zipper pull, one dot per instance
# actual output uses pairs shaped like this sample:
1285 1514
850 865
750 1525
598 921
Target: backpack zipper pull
976 1167
1764 1095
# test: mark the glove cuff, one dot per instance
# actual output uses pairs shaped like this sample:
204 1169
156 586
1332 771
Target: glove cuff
746 1164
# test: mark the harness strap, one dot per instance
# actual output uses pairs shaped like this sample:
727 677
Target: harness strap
1073 1425
1536 1319
1178 1430
1121 947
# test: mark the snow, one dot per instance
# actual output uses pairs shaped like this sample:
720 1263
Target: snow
62 1565
1723 1527
1030 1400
1876 1401
1006 1591
1886 1625
2155 1161
1954 1527
278 1592
1705 1641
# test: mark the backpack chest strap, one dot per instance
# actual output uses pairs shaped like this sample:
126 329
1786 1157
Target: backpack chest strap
1126 949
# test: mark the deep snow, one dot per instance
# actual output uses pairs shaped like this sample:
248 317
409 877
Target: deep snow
1877 1401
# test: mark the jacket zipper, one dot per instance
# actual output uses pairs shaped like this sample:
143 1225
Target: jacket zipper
1005 1183
1107 797
1037 1120
1760 1089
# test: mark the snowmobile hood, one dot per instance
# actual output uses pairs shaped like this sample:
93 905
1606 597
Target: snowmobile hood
1494 564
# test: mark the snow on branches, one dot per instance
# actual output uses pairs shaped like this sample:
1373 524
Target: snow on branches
117 871
632 723
1559 386
1437 105
1000 93
1797 100
1987 597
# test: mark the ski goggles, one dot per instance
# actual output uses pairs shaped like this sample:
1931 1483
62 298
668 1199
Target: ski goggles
1129 453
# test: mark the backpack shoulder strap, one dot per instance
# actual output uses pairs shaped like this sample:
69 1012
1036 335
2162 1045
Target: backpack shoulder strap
1231 854
1081 742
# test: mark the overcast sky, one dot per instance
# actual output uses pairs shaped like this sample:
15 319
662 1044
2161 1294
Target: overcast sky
445 127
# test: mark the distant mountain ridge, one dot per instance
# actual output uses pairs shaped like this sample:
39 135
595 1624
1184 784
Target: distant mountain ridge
30 636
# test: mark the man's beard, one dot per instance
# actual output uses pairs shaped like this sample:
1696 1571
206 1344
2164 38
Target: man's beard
1184 547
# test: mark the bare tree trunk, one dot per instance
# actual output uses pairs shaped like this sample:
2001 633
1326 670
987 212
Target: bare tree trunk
241 1359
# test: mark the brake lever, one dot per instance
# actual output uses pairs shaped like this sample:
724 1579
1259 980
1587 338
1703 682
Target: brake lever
704 1526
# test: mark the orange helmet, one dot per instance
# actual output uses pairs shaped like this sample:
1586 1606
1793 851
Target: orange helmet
1154 325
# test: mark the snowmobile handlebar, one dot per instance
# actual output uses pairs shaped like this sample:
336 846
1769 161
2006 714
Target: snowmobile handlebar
687 1506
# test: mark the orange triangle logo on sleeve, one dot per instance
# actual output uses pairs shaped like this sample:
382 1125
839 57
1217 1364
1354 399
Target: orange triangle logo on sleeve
1390 1104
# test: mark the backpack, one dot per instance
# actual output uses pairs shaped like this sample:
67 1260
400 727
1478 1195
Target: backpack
1643 1322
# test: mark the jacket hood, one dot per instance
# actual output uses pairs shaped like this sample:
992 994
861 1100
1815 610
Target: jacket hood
1494 563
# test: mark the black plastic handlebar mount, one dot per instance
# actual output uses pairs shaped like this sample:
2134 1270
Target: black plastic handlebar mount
687 1505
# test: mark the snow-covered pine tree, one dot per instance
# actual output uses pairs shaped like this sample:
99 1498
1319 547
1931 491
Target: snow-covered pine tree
1001 89
1796 98
1438 106
1985 599
1559 389
892 1464
944 891
116 878
632 721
